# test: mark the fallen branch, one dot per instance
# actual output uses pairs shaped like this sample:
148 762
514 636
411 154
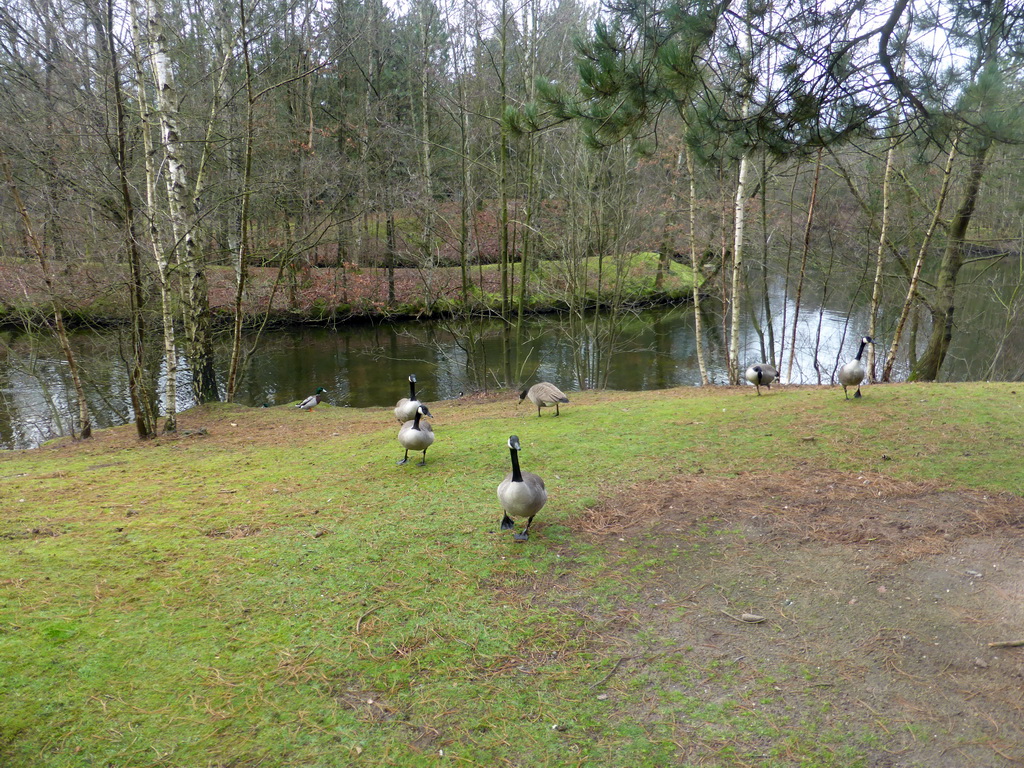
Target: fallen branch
746 618
359 621
1007 644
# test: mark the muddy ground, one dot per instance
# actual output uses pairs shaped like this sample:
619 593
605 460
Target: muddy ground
879 600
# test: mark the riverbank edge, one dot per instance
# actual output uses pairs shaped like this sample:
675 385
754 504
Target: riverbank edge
102 317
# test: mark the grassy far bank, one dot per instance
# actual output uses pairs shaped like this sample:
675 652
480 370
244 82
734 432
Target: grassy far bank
268 588
91 293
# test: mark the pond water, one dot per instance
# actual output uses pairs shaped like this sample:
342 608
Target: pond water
365 365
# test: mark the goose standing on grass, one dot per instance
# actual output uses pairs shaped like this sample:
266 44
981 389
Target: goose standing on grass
312 401
544 395
852 374
521 494
761 375
416 435
405 409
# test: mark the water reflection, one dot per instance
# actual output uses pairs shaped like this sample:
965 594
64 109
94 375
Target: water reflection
368 365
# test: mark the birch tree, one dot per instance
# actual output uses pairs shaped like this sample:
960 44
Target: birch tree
181 202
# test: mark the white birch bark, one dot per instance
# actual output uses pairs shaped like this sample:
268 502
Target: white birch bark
162 249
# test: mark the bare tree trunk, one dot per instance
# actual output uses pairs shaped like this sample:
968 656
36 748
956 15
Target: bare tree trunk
943 305
242 252
466 201
883 236
196 310
158 242
769 353
391 248
739 221
503 166
84 416
695 267
908 303
803 265
142 403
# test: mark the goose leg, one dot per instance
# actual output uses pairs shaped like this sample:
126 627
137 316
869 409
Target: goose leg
405 459
424 462
506 523
857 394
556 409
525 535
845 392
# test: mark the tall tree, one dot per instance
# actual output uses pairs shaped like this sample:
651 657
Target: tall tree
182 201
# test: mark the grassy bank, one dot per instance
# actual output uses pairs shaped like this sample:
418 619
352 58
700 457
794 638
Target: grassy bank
92 294
269 588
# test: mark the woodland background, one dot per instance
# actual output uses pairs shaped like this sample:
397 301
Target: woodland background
182 162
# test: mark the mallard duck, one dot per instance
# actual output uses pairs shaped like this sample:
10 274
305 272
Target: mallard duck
761 375
405 409
544 395
852 374
416 435
312 401
521 494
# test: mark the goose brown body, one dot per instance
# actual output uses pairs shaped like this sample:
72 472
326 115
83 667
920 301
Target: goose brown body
544 395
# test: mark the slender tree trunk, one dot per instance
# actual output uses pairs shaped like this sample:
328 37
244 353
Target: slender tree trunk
141 398
766 301
84 416
883 237
242 251
503 165
391 248
698 330
739 216
158 241
908 303
803 265
739 221
944 303
466 201
197 305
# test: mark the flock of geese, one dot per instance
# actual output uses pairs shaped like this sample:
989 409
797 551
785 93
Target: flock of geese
522 494
850 375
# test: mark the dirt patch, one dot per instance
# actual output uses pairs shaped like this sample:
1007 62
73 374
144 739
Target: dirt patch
879 597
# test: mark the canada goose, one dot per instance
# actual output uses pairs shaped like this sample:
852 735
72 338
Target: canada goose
543 395
416 435
312 401
521 494
405 409
761 375
852 374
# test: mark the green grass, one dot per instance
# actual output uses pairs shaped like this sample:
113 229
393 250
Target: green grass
280 593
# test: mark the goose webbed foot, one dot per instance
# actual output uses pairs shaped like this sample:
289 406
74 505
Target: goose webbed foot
506 523
422 463
525 535
857 393
405 459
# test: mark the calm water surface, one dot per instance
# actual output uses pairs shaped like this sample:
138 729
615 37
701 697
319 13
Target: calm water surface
368 365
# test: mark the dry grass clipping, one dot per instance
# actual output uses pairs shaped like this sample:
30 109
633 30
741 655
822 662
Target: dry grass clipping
907 519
